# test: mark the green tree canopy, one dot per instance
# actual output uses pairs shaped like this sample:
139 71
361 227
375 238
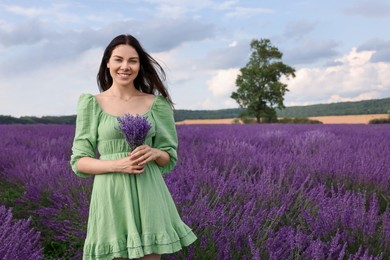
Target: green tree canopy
260 91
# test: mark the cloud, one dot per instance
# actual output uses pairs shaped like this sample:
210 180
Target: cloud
298 29
227 4
47 50
187 3
35 42
233 44
60 15
28 32
168 33
32 11
213 103
235 55
50 91
223 83
381 48
247 12
354 78
363 96
179 70
371 9
311 52
177 8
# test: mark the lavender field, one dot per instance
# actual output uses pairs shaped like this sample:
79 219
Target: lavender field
249 192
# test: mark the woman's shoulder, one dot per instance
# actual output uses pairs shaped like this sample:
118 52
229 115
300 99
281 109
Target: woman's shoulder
161 100
161 107
86 97
86 100
161 103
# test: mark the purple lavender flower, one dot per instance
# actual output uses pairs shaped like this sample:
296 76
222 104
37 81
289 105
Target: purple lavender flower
18 240
134 128
298 191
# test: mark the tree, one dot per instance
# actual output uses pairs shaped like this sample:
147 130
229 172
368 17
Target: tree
260 91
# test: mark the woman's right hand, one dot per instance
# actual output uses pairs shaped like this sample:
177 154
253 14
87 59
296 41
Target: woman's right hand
130 166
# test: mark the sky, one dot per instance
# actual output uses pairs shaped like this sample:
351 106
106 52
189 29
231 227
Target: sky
50 51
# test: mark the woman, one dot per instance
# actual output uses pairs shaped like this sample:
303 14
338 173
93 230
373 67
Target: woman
132 214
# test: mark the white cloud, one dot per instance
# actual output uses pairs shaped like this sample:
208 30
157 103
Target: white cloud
227 4
246 12
32 11
181 2
179 8
310 52
354 78
213 103
24 11
55 95
223 82
363 96
383 76
372 9
233 44
229 103
298 29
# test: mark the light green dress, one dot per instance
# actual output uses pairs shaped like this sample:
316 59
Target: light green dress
130 215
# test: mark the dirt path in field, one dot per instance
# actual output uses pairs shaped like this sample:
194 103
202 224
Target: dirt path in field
354 119
206 121
350 119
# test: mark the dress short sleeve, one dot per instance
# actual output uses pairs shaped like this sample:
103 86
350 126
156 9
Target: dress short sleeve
84 143
166 135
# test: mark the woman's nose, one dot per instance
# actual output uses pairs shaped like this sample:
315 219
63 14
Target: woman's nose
125 65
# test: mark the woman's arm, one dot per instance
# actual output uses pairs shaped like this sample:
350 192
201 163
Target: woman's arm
94 166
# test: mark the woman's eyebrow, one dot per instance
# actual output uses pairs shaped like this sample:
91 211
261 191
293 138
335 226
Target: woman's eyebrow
118 56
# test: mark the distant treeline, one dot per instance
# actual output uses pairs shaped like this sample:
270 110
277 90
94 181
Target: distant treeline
374 106
38 120
181 115
366 107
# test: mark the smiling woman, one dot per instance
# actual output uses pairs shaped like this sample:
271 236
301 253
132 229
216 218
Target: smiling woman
132 213
151 74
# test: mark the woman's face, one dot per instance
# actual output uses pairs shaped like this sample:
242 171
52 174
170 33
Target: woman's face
124 65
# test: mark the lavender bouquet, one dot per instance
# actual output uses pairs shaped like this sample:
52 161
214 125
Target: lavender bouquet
134 128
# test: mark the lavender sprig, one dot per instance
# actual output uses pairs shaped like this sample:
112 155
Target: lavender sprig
134 128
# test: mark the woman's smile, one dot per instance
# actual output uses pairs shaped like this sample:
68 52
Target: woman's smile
124 75
124 65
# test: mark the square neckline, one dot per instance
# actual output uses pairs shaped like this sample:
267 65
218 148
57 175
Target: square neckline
116 116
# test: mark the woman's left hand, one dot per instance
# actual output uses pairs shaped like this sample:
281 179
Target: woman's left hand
144 154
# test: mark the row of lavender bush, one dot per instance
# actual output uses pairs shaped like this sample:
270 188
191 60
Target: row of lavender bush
248 191
17 239
36 157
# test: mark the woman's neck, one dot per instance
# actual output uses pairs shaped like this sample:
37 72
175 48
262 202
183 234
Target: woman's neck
124 93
